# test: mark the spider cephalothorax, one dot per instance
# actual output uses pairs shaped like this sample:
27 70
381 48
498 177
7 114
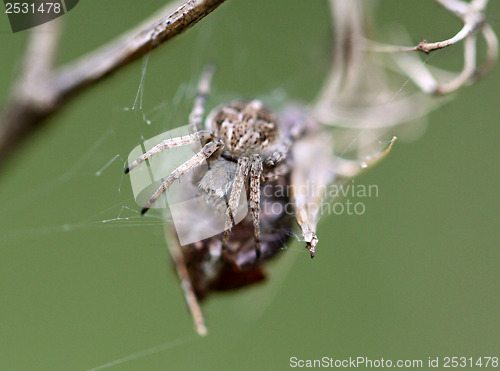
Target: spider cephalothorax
245 127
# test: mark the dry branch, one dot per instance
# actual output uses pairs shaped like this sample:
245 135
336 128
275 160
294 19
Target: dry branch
474 21
41 90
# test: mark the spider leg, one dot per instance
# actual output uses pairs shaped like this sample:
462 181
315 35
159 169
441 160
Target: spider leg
196 115
207 151
296 130
186 283
275 172
255 174
278 156
234 197
200 136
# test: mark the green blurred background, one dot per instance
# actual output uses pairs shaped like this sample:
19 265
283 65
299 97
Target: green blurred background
416 276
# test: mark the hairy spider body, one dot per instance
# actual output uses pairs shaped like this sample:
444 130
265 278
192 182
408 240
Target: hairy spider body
245 127
246 147
242 132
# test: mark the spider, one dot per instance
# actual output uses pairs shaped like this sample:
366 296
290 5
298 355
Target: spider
247 146
243 143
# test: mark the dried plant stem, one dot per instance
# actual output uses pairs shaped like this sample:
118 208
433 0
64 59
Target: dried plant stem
41 90
474 21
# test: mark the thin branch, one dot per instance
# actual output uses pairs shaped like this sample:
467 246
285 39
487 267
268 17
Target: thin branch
116 54
492 51
471 15
41 91
457 6
186 284
474 20
32 97
468 70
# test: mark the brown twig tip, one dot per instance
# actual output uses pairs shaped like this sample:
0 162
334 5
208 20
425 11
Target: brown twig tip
26 111
311 245
126 171
144 210
423 47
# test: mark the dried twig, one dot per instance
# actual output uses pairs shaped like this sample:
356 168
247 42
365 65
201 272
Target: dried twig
357 94
474 21
40 91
